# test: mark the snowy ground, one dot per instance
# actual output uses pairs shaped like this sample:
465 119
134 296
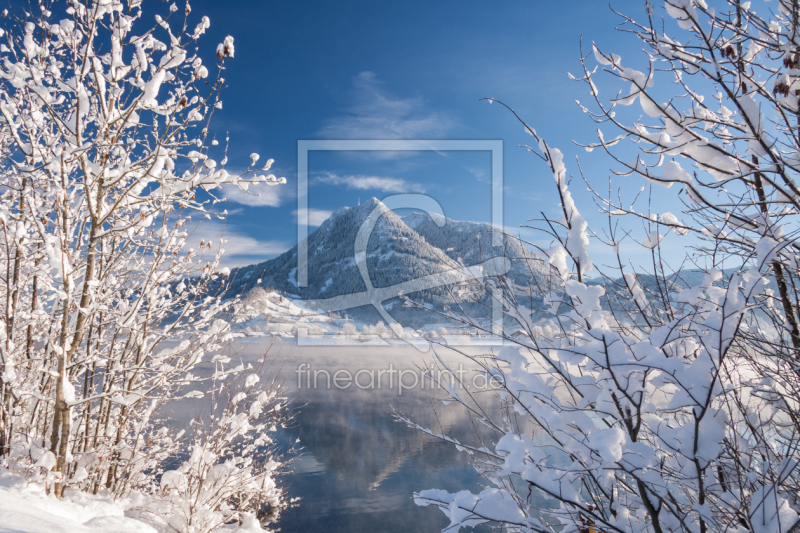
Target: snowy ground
26 508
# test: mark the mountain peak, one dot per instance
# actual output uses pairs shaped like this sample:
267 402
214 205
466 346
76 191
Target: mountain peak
367 205
399 250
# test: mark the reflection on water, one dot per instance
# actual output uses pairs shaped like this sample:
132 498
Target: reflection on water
360 467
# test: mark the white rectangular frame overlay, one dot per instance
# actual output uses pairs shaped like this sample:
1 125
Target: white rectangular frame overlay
495 146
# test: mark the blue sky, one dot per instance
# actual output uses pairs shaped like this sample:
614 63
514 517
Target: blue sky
416 70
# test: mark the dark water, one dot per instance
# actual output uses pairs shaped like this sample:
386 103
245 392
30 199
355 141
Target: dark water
360 468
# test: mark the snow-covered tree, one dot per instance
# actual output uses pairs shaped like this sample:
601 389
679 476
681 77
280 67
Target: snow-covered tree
664 397
229 474
349 329
106 157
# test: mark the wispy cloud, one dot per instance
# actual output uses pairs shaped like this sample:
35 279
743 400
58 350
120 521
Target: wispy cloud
258 194
315 216
480 174
377 114
365 183
240 249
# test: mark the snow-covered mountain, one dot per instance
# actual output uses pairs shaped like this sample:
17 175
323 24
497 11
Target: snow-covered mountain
399 249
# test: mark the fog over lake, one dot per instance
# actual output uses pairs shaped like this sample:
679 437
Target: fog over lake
359 468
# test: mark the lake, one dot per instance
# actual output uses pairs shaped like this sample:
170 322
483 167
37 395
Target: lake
359 467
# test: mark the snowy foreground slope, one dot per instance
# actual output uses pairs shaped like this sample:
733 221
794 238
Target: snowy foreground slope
25 508
28 509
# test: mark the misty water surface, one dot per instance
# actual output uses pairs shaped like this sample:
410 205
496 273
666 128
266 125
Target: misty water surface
360 468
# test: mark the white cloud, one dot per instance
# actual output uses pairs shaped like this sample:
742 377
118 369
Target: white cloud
364 183
240 249
257 195
315 216
480 174
377 114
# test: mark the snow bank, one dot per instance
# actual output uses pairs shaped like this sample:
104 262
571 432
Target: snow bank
25 508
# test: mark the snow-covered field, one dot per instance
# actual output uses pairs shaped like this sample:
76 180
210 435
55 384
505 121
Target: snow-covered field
26 508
